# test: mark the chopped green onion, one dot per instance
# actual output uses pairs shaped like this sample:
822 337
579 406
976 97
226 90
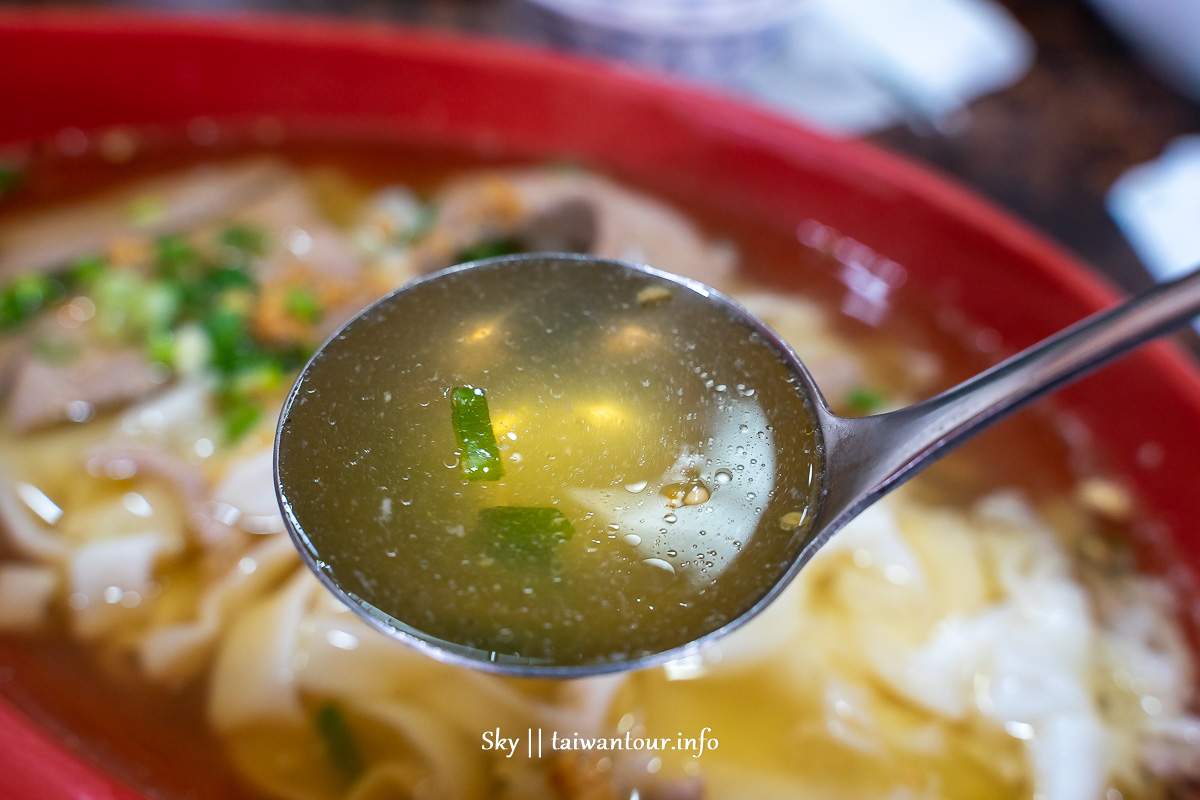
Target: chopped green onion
340 744
524 531
130 307
191 350
160 348
240 413
218 279
174 255
26 297
503 247
303 305
472 423
258 378
155 308
85 271
228 331
248 240
864 401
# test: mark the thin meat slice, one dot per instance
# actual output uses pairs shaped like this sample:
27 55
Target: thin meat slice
304 250
544 209
95 379
46 240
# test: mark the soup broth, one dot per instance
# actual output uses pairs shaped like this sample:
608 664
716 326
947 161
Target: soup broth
623 480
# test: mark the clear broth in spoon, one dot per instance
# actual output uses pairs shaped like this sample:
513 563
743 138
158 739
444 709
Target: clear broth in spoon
586 471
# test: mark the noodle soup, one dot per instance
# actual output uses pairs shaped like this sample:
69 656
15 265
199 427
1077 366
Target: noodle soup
981 633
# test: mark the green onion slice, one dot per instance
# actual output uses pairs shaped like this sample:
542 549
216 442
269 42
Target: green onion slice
524 531
339 741
477 449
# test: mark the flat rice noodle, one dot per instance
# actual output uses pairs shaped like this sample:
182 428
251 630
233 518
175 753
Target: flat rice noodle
248 487
209 532
181 651
1070 757
391 781
253 675
344 657
102 573
806 328
454 759
586 704
176 416
30 538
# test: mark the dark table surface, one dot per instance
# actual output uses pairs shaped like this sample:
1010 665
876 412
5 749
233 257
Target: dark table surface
1047 149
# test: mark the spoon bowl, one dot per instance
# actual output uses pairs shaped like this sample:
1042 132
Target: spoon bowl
711 507
551 464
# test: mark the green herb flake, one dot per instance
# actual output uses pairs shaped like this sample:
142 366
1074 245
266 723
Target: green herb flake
175 256
472 423
240 414
25 297
85 271
160 348
524 531
303 305
862 400
490 249
228 330
246 239
340 744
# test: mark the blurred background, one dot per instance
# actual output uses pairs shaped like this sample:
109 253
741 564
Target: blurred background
1082 117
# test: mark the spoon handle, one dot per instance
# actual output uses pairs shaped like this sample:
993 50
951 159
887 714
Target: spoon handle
875 454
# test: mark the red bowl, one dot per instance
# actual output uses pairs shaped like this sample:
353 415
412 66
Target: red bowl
89 71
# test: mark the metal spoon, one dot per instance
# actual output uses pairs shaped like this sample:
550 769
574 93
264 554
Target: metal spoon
858 459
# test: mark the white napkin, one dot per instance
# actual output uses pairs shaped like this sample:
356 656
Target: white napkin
1157 207
854 66
846 67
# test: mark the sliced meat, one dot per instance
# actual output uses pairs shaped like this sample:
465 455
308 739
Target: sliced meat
297 234
43 393
41 241
304 249
573 211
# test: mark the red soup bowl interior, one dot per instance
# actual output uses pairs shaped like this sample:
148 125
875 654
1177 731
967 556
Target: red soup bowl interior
90 71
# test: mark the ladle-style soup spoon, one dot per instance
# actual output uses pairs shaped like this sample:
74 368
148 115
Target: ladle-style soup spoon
556 465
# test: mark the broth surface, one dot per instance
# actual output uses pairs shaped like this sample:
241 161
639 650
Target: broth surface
655 478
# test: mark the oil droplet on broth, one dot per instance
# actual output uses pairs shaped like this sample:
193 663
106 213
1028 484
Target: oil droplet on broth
618 446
